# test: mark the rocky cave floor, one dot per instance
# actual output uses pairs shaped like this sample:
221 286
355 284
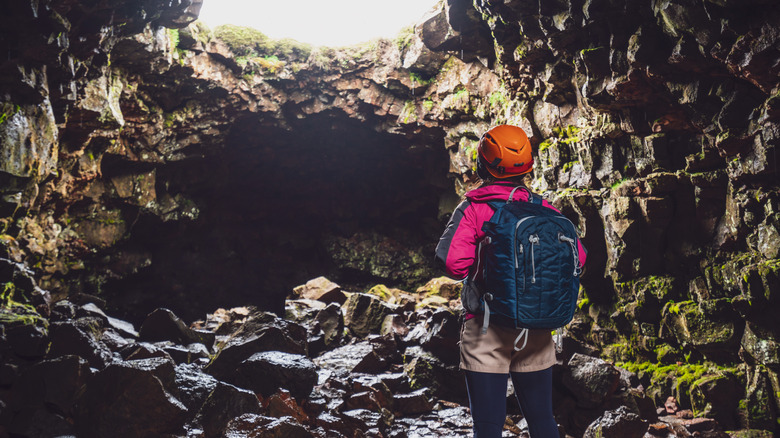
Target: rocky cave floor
339 364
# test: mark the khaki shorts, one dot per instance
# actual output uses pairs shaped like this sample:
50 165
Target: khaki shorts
494 351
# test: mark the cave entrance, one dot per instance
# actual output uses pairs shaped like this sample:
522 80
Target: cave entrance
325 196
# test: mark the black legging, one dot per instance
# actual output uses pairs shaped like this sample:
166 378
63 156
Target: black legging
487 398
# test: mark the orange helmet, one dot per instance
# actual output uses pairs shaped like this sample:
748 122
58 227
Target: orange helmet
505 151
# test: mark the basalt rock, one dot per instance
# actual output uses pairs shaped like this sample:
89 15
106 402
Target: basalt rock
156 164
268 371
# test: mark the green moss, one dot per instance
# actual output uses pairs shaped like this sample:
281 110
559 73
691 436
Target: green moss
173 35
568 165
404 38
617 183
409 112
497 98
249 42
8 110
583 52
417 79
428 105
13 312
546 143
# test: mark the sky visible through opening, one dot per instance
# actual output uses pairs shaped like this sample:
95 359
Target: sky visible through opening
331 23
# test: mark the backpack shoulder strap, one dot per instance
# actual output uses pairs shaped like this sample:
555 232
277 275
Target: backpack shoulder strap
534 198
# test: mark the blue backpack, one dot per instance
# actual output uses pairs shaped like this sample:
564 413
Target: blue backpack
530 266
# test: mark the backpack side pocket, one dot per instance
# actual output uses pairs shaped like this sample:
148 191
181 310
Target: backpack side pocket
470 296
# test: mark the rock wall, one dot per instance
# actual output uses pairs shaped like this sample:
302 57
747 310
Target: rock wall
657 126
151 161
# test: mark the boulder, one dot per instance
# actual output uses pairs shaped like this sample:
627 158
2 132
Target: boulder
364 313
442 336
359 356
256 426
268 371
331 322
762 345
591 380
51 385
163 325
413 403
262 332
225 403
28 340
193 386
67 338
321 289
128 399
713 397
122 327
620 423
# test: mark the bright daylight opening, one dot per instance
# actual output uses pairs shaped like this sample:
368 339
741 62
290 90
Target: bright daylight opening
321 23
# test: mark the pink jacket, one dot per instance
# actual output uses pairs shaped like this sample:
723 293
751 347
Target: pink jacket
457 247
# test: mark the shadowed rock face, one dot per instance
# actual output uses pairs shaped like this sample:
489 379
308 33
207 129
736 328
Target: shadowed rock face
194 172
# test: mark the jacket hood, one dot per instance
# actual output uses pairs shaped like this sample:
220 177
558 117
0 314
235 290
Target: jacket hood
496 192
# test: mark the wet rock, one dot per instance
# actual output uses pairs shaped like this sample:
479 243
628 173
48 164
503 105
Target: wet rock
122 327
69 339
713 335
225 403
757 410
302 311
394 325
128 399
259 333
344 358
193 386
761 344
366 420
143 350
256 426
417 402
590 379
620 423
394 297
321 289
114 341
364 313
187 353
163 325
28 138
268 371
443 286
670 406
442 336
331 322
40 423
281 404
713 397
426 371
28 340
43 395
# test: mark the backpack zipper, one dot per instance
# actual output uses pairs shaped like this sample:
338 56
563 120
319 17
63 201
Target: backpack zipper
534 239
574 252
518 251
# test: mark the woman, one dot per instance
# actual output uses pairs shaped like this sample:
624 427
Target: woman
489 355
